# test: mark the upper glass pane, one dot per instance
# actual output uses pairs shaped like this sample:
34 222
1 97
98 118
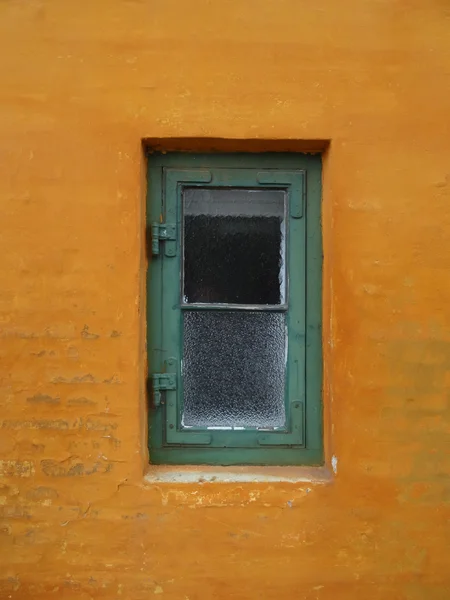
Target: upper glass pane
234 246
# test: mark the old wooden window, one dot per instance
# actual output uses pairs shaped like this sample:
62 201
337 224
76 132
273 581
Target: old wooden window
234 309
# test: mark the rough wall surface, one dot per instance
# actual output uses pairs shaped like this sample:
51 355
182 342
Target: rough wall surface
81 84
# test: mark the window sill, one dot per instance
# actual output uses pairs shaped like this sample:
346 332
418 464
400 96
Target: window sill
248 474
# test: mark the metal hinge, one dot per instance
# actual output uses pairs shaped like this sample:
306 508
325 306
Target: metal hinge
164 232
162 382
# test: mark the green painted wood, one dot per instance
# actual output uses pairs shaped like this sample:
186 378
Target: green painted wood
295 183
154 305
173 180
301 441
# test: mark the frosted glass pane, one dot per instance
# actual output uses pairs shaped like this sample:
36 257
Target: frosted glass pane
234 243
234 369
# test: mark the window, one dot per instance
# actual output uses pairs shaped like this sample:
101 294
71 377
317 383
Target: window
234 309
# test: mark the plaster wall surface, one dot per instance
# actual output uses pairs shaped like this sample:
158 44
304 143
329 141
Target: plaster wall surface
82 84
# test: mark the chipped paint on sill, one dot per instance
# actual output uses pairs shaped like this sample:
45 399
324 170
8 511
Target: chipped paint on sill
334 463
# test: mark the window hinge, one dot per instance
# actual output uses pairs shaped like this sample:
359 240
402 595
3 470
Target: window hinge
162 382
164 232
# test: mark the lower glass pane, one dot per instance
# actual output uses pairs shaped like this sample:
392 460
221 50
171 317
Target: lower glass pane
234 367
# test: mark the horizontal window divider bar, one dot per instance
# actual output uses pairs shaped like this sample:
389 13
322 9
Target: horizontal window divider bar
236 307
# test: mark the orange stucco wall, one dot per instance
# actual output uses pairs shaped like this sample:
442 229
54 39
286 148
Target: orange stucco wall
82 83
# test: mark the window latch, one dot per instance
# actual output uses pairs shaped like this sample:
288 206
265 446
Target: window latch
164 232
162 382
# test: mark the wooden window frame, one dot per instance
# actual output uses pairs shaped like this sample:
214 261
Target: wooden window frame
301 443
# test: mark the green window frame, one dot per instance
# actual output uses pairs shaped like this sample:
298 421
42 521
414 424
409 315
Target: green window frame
300 441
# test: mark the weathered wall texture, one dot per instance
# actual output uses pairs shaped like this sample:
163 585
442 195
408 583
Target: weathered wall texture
82 83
